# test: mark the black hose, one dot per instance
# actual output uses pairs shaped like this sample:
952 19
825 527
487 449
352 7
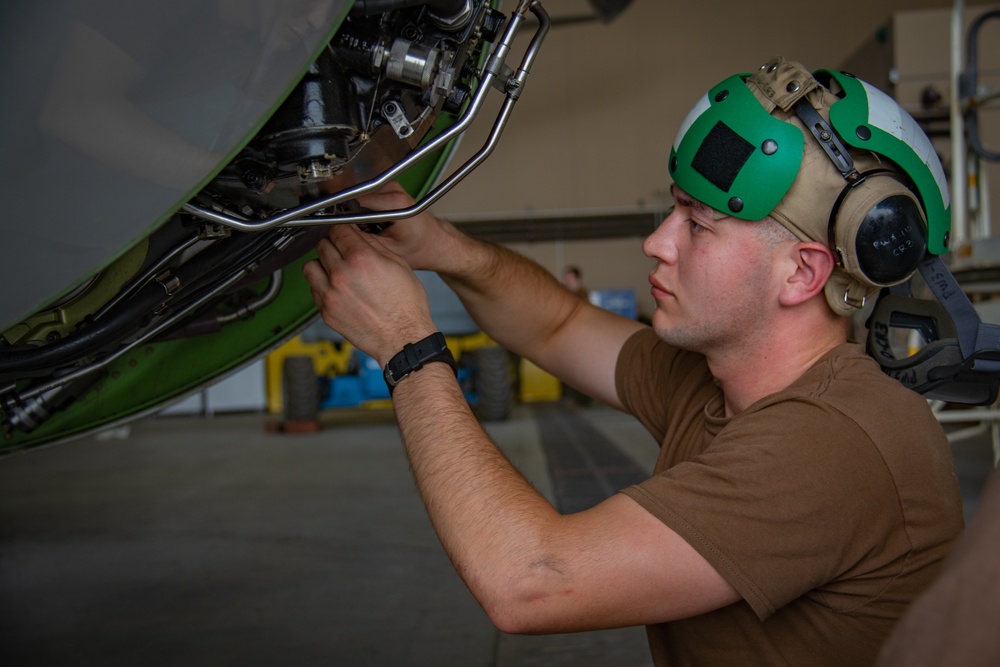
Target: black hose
39 361
15 364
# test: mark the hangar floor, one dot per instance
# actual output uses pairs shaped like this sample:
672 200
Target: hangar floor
212 541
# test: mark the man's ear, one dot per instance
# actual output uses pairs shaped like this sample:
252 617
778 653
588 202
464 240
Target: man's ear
811 265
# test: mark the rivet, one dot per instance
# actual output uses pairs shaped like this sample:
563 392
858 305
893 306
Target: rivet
824 135
721 95
864 133
792 86
735 204
673 164
772 67
769 147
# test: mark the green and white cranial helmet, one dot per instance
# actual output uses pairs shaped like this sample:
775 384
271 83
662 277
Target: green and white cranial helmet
832 158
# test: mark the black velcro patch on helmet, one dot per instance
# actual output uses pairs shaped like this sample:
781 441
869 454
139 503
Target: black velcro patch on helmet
721 156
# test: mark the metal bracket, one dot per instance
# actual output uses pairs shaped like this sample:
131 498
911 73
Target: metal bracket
393 112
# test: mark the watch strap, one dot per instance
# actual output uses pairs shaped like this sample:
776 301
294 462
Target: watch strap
414 356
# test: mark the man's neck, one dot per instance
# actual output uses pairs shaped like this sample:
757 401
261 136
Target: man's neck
746 377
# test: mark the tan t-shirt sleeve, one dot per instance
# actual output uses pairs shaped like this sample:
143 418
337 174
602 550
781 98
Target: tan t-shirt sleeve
781 513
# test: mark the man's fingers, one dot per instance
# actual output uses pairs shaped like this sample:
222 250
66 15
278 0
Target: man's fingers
340 241
326 253
344 238
347 237
390 197
315 275
333 266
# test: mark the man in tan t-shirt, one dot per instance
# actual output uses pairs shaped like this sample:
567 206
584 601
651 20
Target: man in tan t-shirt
802 498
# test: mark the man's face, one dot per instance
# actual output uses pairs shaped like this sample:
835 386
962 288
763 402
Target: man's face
713 282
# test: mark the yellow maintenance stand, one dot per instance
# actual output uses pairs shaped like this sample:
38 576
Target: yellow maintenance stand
304 377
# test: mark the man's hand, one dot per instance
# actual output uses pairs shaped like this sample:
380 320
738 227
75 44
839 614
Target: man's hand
368 293
418 239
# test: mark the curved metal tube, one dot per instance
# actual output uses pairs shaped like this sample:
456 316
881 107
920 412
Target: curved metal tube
431 197
495 68
266 297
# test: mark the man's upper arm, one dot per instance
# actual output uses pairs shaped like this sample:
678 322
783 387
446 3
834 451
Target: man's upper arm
621 566
584 353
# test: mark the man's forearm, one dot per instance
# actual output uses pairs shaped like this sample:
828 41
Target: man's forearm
490 520
513 299
522 306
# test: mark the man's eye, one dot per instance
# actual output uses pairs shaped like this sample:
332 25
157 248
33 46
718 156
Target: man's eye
696 228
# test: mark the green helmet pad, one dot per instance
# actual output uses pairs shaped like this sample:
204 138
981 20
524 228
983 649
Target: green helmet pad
733 155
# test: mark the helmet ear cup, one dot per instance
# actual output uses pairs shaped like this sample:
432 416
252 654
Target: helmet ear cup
879 231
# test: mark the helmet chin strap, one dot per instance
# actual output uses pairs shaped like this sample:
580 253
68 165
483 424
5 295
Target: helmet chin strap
961 361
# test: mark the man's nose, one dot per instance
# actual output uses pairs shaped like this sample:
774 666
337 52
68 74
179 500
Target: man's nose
662 243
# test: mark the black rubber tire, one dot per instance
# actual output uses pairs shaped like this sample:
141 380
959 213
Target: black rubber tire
494 383
299 389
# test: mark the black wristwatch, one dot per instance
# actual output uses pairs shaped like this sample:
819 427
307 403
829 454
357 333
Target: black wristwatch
414 356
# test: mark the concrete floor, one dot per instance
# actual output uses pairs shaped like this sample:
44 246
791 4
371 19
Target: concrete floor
212 542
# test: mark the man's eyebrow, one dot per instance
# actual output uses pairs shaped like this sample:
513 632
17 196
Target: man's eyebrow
689 202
